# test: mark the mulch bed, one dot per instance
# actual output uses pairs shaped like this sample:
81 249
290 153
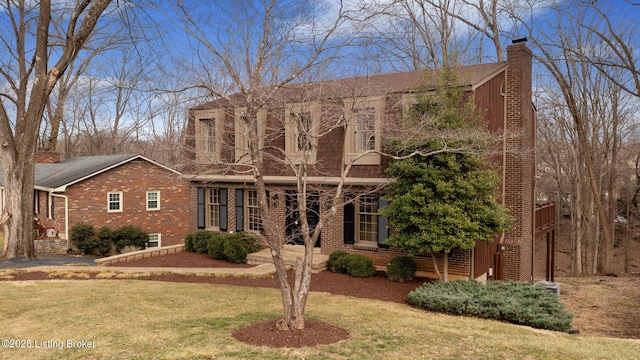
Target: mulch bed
314 333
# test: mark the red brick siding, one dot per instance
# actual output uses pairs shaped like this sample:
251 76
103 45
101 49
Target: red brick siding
520 163
88 201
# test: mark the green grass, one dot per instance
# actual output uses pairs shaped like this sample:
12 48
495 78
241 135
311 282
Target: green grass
130 319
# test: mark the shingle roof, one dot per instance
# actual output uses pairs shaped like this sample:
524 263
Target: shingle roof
399 82
56 176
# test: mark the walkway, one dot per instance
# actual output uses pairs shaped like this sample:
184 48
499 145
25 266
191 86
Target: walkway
47 262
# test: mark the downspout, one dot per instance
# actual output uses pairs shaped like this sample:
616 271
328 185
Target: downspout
66 215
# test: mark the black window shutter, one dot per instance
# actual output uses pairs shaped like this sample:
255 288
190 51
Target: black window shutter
239 210
52 207
223 210
46 211
201 208
383 224
349 221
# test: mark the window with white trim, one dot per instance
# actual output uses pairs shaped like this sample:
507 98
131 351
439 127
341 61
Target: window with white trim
364 122
153 200
154 240
114 201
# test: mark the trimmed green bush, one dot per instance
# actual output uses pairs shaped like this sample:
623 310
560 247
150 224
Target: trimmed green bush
514 302
200 240
237 246
130 235
105 240
83 237
215 247
335 261
358 265
188 243
401 268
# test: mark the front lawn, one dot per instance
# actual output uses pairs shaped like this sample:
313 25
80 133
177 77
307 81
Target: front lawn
129 319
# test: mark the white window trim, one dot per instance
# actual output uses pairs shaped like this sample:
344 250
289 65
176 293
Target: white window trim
203 155
121 201
159 239
157 200
293 154
350 152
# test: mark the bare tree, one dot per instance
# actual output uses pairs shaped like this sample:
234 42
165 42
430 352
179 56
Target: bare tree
31 71
595 111
256 49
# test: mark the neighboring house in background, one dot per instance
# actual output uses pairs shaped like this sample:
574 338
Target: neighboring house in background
113 191
224 200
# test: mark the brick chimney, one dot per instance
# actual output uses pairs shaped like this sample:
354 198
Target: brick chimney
47 157
520 162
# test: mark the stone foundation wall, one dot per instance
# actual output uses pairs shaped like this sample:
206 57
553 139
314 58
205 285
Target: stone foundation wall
50 246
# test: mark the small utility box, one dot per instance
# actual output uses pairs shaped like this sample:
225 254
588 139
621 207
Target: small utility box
551 286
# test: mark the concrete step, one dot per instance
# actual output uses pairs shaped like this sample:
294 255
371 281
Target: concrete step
290 254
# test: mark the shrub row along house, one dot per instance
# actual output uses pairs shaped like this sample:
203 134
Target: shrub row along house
113 191
337 129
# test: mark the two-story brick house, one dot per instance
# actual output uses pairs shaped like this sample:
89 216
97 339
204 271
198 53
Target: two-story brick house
223 193
111 190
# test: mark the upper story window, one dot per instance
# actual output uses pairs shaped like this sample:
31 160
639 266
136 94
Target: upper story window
114 201
365 129
153 200
364 123
243 125
301 128
209 130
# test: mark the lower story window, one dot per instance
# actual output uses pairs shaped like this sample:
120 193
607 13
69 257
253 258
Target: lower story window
154 241
367 220
253 211
363 227
213 207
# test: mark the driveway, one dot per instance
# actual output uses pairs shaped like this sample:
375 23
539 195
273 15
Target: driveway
46 260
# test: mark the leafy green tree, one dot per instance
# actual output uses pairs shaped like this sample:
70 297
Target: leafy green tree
444 194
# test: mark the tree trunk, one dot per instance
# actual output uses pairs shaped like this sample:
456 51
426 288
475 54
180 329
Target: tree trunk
445 266
435 266
19 183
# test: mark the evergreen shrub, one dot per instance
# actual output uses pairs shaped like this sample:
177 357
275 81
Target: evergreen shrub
215 247
335 261
188 242
238 245
401 268
83 237
358 265
514 302
130 235
105 240
200 240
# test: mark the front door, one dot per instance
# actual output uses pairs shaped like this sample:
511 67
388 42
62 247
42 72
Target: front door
293 224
